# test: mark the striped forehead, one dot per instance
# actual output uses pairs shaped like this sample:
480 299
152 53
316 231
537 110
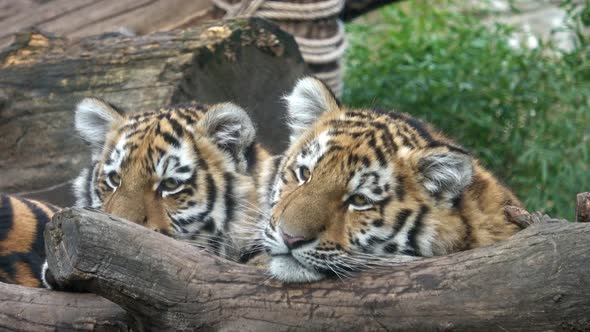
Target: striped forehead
364 172
153 150
313 150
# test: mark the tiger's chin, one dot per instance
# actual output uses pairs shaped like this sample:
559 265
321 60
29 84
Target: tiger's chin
287 269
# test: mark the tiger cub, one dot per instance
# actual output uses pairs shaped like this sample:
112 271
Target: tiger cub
361 187
189 171
22 248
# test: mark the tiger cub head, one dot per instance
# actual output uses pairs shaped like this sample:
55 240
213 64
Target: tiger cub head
184 171
358 188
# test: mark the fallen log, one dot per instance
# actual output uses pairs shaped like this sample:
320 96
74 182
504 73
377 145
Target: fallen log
536 280
248 61
35 309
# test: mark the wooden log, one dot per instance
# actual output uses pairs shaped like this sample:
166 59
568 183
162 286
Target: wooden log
583 207
248 61
537 280
35 309
76 19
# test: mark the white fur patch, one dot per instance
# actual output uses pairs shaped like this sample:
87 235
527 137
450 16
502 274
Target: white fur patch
287 269
305 104
44 270
446 173
94 119
313 151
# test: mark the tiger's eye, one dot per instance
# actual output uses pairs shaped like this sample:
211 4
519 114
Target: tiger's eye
304 173
170 184
359 200
114 180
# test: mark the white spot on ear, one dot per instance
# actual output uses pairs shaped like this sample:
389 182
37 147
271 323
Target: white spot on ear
230 127
309 99
94 118
446 173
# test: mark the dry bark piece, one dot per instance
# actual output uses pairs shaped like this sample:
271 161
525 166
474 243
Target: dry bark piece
524 219
536 280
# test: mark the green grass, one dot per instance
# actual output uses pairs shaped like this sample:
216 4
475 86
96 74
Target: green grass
525 114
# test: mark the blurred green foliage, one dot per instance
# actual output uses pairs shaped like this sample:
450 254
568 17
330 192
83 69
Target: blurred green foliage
524 113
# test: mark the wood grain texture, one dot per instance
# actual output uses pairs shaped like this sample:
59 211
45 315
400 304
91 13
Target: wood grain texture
248 61
35 309
76 19
537 280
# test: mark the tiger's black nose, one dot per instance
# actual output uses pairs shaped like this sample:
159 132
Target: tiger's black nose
293 242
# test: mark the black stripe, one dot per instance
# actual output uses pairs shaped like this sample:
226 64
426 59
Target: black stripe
400 189
467 238
415 231
6 216
183 169
251 157
400 219
386 136
390 248
171 140
211 196
188 119
230 203
178 130
31 259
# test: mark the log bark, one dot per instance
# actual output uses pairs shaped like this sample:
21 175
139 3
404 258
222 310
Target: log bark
537 280
35 309
248 61
583 207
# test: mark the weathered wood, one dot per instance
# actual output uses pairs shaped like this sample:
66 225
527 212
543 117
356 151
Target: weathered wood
81 18
248 61
35 309
537 280
583 207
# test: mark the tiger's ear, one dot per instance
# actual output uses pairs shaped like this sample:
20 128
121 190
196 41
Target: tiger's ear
93 120
308 100
230 127
445 173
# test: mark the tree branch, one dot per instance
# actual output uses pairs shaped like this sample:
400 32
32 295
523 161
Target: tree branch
537 280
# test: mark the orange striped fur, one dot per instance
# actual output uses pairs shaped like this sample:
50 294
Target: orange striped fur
22 248
360 187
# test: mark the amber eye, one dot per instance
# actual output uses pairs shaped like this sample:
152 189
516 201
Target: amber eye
170 184
359 202
303 174
114 180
